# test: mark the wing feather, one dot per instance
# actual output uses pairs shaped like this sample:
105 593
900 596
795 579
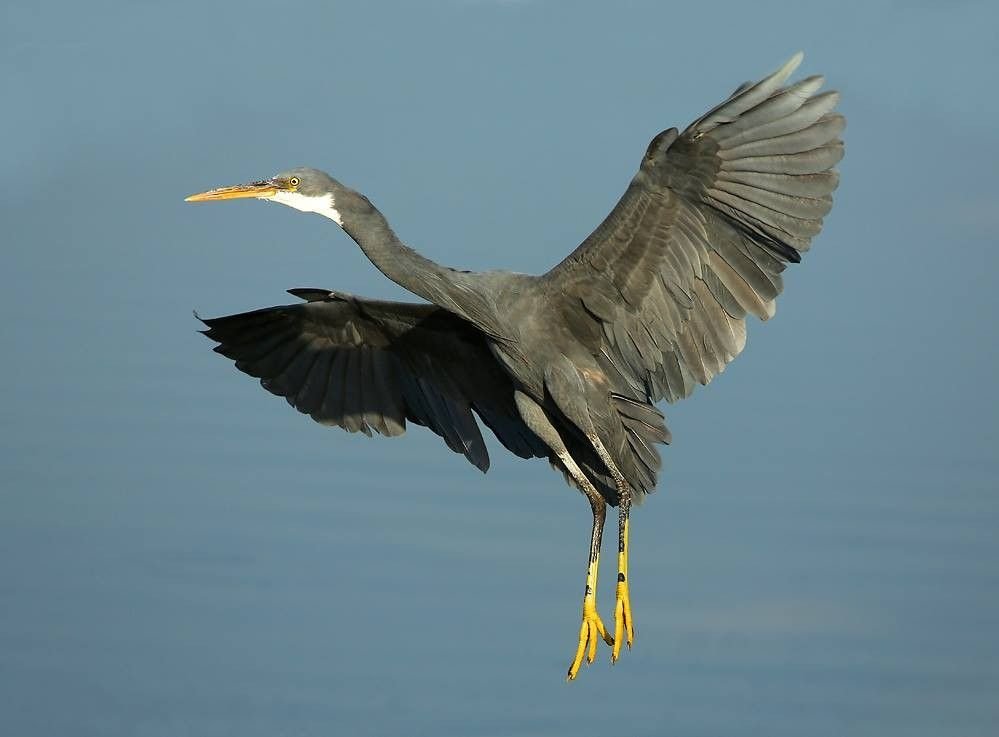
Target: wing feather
703 232
369 366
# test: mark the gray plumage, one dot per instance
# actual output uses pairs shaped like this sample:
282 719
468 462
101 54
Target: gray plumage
367 365
651 304
567 365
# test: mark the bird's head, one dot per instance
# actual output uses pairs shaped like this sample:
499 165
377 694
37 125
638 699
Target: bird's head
308 190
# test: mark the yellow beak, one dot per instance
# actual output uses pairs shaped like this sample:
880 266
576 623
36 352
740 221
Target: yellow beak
256 189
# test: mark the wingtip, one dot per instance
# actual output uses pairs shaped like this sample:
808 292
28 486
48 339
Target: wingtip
781 76
311 294
479 460
787 69
206 322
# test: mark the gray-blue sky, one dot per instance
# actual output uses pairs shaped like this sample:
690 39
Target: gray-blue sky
182 554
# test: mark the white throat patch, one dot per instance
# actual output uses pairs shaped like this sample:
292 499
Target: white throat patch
321 205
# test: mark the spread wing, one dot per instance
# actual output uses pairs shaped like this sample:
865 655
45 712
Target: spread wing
368 365
700 238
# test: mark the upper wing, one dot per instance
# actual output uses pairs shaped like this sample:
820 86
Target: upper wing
367 365
703 233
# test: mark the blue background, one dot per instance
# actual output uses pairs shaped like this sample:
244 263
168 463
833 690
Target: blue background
182 554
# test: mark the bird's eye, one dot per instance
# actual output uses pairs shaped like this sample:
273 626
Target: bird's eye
294 181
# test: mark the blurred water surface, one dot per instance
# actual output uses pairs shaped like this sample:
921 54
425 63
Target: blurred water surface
182 554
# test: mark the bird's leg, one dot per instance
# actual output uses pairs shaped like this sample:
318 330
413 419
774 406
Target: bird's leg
592 626
624 628
623 623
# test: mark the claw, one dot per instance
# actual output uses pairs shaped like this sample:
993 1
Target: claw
623 624
591 628
624 629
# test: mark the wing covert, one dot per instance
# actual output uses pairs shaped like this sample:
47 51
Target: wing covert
367 365
701 236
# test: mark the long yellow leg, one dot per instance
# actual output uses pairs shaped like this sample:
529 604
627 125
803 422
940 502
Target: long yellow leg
623 623
592 626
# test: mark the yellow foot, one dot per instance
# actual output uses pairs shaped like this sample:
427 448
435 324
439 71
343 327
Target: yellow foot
622 620
591 628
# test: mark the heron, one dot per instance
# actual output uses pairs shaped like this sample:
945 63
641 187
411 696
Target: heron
567 365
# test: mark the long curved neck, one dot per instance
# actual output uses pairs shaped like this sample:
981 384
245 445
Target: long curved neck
363 222
455 291
397 261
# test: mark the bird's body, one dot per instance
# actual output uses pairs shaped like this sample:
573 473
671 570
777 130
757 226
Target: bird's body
567 365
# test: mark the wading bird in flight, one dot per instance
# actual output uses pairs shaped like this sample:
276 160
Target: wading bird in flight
566 365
